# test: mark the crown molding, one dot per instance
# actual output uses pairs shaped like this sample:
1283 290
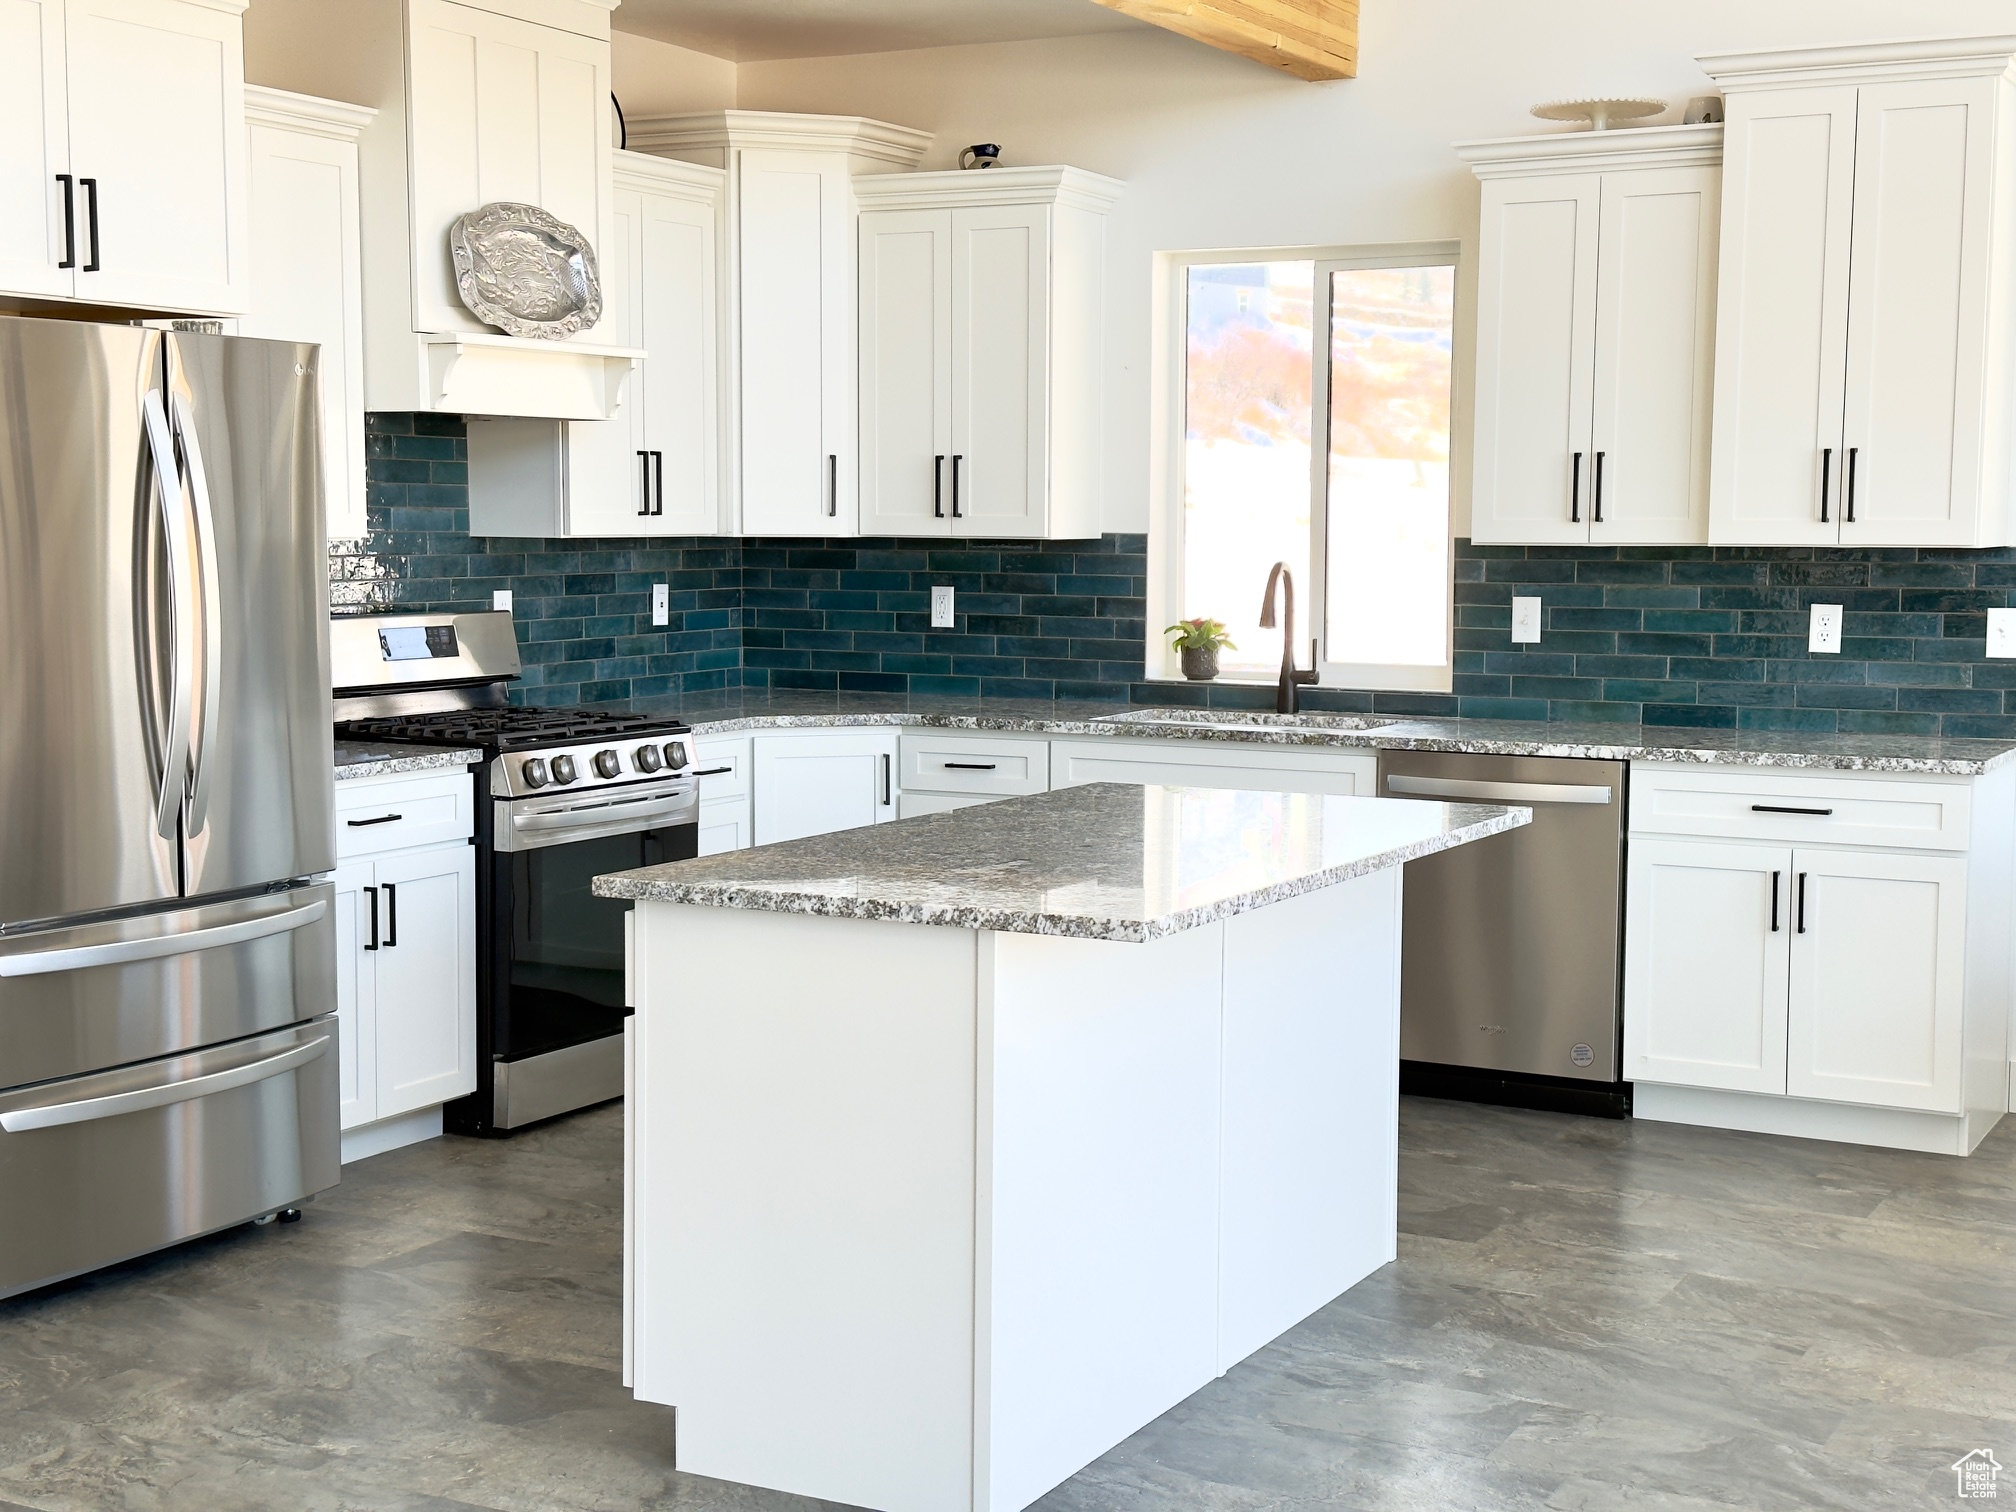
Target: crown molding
1593 151
1934 58
857 136
1055 184
642 170
308 114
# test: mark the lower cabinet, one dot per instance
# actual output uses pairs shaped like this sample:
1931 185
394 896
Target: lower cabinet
822 781
1124 758
722 764
405 980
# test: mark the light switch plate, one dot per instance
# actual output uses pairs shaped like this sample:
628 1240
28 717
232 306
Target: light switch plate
1825 634
1525 621
500 598
661 604
941 609
2002 632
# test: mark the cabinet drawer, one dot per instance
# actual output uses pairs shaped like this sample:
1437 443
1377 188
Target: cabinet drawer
1213 764
1763 803
721 762
916 805
393 813
724 826
992 766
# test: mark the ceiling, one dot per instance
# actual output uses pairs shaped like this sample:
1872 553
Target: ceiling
751 31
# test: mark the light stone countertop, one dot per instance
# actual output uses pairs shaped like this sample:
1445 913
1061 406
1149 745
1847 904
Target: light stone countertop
1108 861
716 714
355 758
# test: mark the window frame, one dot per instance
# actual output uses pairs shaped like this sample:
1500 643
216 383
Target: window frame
1167 481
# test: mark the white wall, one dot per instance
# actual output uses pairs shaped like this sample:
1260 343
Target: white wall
1220 152
656 78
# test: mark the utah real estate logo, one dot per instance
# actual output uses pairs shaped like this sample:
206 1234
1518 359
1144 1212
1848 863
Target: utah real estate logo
1975 1475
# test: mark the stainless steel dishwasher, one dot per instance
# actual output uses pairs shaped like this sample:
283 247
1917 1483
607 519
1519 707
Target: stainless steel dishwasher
1510 980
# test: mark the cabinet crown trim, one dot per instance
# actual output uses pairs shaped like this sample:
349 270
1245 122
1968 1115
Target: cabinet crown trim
658 175
857 136
1937 58
1593 151
336 119
994 186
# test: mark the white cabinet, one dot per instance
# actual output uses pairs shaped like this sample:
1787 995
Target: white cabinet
982 312
790 217
1189 763
307 276
654 470
1595 336
124 176
723 763
1867 328
821 781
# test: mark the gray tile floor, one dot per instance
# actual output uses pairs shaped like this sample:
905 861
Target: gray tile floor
1586 1315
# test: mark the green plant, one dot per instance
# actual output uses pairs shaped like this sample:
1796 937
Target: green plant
1200 635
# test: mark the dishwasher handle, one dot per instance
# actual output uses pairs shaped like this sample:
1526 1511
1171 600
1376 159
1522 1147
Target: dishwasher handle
1499 792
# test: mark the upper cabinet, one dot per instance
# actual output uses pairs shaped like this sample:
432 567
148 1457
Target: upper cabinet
1595 336
124 176
790 217
498 100
982 299
1866 385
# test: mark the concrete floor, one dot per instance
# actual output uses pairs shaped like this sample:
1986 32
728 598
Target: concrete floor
1586 1315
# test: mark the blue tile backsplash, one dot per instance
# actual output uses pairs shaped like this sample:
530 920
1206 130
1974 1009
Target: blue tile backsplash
1707 637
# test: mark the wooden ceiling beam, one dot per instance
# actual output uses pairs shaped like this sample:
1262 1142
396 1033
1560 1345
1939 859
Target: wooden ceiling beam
1311 39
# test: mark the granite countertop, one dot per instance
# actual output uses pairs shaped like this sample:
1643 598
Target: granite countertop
1108 861
716 713
356 758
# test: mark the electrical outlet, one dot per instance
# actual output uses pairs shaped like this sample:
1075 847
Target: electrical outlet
1525 621
661 604
1825 634
941 609
500 598
2002 632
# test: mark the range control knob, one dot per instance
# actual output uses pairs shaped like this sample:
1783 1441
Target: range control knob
563 769
648 759
534 772
608 764
675 755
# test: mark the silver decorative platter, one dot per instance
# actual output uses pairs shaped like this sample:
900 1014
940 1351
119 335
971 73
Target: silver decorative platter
524 271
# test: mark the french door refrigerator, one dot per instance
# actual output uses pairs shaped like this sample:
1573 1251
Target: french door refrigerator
167 962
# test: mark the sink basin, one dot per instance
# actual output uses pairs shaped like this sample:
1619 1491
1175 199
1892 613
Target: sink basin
1244 719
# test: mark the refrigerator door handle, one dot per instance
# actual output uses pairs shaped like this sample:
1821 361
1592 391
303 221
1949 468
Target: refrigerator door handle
153 947
182 592
211 631
138 1099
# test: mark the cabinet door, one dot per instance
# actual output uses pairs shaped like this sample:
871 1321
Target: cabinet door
999 480
1918 313
676 289
426 962
795 322
501 109
606 469
1707 934
724 826
1655 346
1536 352
1781 333
906 371
816 784
1877 964
34 124
356 994
307 285
157 120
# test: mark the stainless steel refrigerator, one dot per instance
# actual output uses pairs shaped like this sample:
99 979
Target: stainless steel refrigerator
167 962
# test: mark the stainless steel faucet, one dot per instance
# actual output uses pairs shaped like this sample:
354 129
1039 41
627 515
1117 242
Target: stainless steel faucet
1291 679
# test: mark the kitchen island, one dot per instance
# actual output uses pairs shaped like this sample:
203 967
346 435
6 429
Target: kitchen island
961 1147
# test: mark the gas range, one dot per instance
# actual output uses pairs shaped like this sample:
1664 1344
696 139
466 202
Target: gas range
546 751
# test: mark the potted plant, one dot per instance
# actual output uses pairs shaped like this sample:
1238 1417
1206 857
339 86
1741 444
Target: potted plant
1200 641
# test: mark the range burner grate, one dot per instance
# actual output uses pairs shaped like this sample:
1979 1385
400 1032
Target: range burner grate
506 729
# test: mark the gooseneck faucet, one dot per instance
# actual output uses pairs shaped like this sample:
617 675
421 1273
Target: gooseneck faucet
1291 679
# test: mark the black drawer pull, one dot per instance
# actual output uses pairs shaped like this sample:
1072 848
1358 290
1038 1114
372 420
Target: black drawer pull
1779 808
714 771
367 823
970 766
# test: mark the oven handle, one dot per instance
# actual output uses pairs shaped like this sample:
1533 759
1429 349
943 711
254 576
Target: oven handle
631 808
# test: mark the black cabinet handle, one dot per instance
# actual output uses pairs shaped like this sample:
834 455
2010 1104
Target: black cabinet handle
643 483
391 914
1848 497
1779 808
658 467
1597 515
1575 490
1802 903
372 894
69 221
367 823
957 458
1774 901
1826 475
832 483
90 187
713 771
886 798
938 487
969 766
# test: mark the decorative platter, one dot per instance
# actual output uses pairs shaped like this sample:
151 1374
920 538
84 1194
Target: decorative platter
1600 114
524 271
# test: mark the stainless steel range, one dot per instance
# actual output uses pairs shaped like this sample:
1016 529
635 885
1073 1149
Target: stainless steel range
562 796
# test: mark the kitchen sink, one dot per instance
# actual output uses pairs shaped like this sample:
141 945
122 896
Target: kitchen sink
1243 719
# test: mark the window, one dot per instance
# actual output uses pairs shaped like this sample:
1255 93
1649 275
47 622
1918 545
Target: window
1342 462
